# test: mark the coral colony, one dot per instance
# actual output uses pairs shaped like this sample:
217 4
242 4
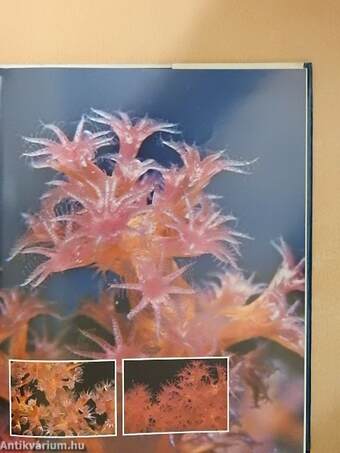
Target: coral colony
195 399
140 220
45 401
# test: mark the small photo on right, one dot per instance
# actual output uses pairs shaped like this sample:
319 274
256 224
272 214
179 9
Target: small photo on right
167 395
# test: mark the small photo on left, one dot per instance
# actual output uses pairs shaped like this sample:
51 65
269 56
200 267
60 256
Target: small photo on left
62 398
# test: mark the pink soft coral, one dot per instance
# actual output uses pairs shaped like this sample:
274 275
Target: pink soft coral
103 214
134 218
79 151
201 171
203 231
130 135
121 349
157 289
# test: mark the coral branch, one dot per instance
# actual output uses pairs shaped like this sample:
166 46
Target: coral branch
17 309
195 399
120 350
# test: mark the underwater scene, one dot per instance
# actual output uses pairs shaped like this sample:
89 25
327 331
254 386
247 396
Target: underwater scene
154 213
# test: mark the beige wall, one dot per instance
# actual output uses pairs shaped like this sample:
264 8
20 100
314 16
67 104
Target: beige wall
135 31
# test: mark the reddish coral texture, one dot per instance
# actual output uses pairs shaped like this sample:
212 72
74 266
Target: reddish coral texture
115 212
195 399
45 402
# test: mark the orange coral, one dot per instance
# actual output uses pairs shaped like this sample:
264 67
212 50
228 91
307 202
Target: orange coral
194 400
45 401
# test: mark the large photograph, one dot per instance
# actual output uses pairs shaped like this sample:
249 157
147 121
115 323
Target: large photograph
159 213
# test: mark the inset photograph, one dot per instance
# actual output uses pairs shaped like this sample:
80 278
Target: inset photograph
63 398
175 395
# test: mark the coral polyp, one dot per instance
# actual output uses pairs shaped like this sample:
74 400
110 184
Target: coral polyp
204 231
130 134
65 152
157 289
